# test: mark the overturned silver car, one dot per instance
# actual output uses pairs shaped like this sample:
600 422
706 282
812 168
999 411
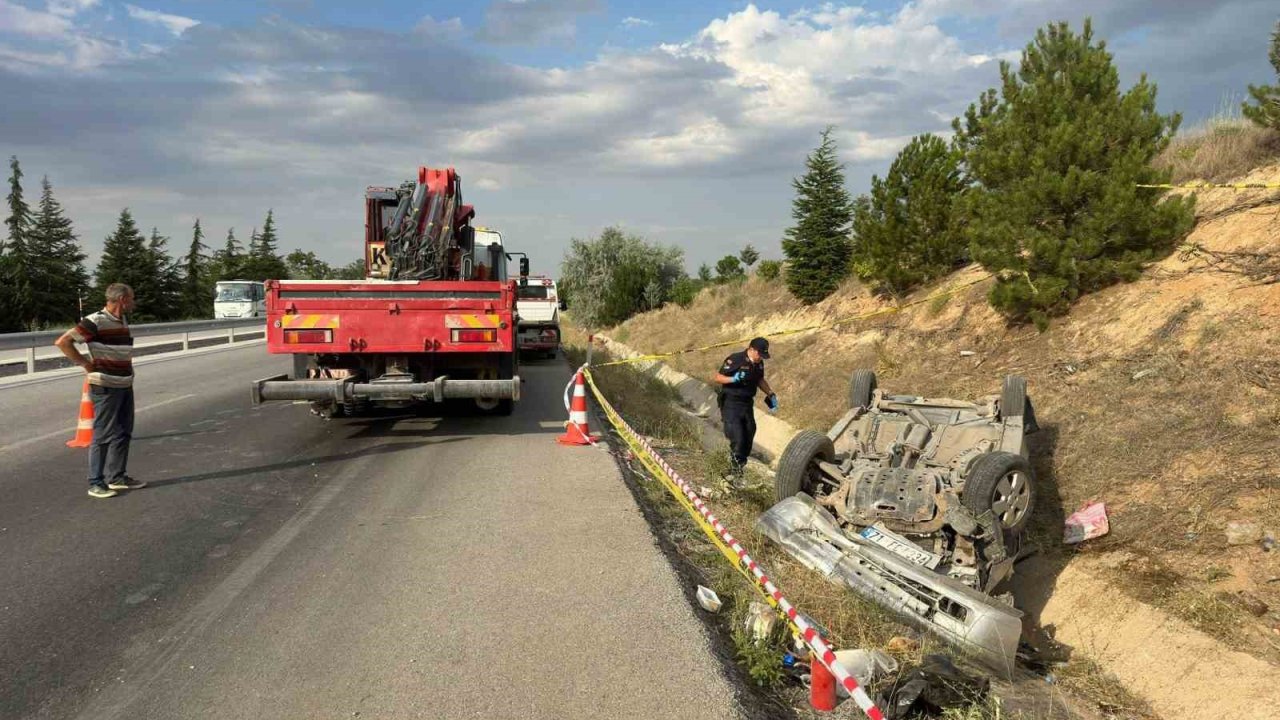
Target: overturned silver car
918 504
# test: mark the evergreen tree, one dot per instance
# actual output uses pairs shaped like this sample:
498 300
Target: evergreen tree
729 267
16 302
1056 157
164 294
60 280
197 286
1266 108
749 256
228 261
264 262
125 259
817 246
903 232
704 272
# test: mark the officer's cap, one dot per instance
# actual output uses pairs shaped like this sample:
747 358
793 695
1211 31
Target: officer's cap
762 345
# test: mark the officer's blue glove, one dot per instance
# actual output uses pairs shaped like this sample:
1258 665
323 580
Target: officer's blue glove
772 402
740 376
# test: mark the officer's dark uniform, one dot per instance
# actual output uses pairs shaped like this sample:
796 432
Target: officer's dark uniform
737 410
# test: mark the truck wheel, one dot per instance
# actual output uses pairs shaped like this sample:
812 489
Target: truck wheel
861 386
1002 483
797 469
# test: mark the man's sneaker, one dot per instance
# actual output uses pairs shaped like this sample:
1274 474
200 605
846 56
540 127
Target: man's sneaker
127 483
99 491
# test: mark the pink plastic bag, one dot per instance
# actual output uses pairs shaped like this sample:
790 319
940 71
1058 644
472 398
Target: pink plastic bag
1086 523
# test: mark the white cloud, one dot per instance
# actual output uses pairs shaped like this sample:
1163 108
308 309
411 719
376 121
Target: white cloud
632 22
21 20
175 24
69 8
486 183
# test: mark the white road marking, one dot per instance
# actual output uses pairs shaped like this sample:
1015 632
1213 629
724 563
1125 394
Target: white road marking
72 431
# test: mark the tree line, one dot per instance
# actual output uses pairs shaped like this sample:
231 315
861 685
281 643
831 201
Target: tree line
1038 183
44 282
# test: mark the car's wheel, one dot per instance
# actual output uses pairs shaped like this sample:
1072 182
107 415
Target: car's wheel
1013 396
861 386
797 469
1002 483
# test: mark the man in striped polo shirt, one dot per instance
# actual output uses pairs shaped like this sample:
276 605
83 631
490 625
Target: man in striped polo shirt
109 369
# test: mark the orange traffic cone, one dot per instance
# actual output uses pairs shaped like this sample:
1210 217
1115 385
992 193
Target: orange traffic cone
84 426
576 431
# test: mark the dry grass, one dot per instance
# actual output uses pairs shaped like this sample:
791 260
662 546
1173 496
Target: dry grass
1225 147
1085 677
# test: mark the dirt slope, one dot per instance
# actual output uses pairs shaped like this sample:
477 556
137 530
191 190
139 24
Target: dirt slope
1160 397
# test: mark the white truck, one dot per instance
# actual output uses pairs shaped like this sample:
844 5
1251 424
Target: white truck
538 309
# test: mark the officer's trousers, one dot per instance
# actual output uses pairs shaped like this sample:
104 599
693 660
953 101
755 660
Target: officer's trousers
739 419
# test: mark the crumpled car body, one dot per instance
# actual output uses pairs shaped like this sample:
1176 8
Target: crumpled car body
918 504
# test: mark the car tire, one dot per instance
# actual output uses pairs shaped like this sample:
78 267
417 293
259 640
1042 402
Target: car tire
1002 483
1013 396
861 386
796 466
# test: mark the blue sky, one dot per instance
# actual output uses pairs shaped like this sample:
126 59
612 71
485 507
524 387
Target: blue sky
682 121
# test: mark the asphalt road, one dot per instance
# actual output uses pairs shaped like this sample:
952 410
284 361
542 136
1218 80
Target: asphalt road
438 565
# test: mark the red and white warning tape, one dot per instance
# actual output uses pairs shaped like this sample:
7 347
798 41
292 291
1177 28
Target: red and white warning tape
811 636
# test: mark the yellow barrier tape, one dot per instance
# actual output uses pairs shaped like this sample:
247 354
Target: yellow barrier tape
1210 186
742 342
615 419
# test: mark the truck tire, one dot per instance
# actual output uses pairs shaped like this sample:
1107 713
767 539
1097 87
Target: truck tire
796 467
1002 483
861 387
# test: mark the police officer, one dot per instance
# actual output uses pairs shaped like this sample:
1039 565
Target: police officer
739 376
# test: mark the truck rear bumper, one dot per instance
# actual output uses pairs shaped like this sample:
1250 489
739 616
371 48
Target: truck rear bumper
280 387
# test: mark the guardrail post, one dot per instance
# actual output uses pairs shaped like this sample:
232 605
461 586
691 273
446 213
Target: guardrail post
591 340
31 360
231 334
186 341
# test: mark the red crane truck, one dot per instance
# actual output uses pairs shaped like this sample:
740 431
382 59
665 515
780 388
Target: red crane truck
435 318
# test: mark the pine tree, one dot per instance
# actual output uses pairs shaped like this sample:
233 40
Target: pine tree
704 272
1266 110
197 287
749 256
16 267
728 268
164 293
818 247
229 260
125 259
267 263
903 233
1056 157
61 280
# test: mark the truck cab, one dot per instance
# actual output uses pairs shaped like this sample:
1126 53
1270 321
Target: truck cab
538 310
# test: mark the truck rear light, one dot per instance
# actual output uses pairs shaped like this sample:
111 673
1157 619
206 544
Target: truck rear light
307 337
486 335
549 334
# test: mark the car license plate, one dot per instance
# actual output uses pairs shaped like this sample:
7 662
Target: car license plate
900 546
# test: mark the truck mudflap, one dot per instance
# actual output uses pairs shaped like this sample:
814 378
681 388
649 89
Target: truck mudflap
975 623
280 387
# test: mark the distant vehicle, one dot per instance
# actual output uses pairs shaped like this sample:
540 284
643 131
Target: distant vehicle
538 308
239 299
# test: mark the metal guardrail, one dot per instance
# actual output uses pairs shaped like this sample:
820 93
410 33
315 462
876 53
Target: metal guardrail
30 341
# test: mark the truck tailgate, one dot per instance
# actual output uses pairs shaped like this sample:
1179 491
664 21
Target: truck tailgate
389 316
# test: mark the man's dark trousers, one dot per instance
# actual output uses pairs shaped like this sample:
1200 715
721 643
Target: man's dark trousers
739 418
112 431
